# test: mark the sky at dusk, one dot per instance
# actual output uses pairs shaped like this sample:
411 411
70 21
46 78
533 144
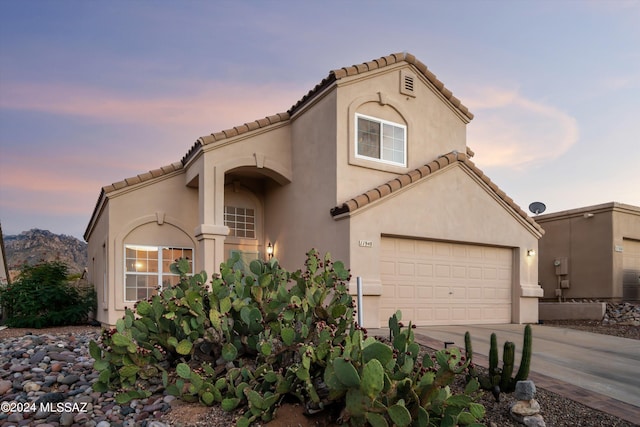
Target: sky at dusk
94 92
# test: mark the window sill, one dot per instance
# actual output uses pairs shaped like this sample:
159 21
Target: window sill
378 165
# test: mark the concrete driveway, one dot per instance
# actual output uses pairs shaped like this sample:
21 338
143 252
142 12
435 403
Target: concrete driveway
599 363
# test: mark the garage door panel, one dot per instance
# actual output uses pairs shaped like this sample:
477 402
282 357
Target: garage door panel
388 290
459 271
424 292
474 293
405 246
475 253
458 313
424 270
443 249
387 268
441 292
424 248
443 270
438 283
458 292
406 292
474 312
489 273
459 251
406 269
423 315
475 272
442 315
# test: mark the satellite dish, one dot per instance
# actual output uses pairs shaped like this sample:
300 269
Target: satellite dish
537 207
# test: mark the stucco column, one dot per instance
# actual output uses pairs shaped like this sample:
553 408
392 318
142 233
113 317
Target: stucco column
210 253
530 290
211 232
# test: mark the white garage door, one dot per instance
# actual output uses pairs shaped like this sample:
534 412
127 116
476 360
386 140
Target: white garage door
439 283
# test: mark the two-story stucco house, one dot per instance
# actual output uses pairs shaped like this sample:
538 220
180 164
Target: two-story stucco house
371 165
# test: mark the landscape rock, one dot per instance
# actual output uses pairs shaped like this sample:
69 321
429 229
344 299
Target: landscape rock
525 390
534 421
5 386
622 314
55 373
524 408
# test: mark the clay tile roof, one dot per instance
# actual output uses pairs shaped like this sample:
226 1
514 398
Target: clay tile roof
228 133
380 63
234 131
142 177
284 116
422 172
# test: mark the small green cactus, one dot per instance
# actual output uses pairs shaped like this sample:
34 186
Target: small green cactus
493 355
508 355
502 377
525 363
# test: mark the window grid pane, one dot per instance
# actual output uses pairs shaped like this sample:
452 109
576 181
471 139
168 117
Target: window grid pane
380 140
368 138
241 221
142 276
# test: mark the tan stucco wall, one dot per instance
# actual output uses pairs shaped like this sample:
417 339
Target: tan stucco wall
298 217
592 241
434 128
163 213
449 205
97 269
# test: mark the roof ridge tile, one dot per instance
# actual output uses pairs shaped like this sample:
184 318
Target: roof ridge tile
423 171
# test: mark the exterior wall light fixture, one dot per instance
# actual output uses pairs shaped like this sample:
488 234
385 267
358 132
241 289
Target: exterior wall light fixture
270 250
531 252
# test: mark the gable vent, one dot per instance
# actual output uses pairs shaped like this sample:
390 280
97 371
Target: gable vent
407 81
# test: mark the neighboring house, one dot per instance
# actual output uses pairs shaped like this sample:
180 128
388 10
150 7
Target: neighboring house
372 166
591 252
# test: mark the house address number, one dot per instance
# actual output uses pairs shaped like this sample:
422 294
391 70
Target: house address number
365 243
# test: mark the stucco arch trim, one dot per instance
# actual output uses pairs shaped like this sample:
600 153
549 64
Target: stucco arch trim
383 100
159 218
264 164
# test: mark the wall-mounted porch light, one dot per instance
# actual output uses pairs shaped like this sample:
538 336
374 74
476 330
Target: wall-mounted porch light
269 250
531 252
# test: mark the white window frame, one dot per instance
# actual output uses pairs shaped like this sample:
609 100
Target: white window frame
382 122
240 219
160 273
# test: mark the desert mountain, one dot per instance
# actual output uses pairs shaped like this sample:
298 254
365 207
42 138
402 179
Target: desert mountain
35 246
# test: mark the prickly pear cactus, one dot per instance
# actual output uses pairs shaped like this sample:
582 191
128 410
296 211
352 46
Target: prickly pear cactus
245 340
392 384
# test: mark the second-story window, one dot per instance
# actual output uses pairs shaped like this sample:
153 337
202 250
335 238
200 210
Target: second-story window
381 140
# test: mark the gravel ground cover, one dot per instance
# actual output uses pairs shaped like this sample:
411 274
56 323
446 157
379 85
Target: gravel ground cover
52 366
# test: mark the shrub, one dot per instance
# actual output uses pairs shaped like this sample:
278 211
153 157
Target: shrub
41 296
257 338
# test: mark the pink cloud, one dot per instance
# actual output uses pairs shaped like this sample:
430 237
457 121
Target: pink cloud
513 131
211 106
